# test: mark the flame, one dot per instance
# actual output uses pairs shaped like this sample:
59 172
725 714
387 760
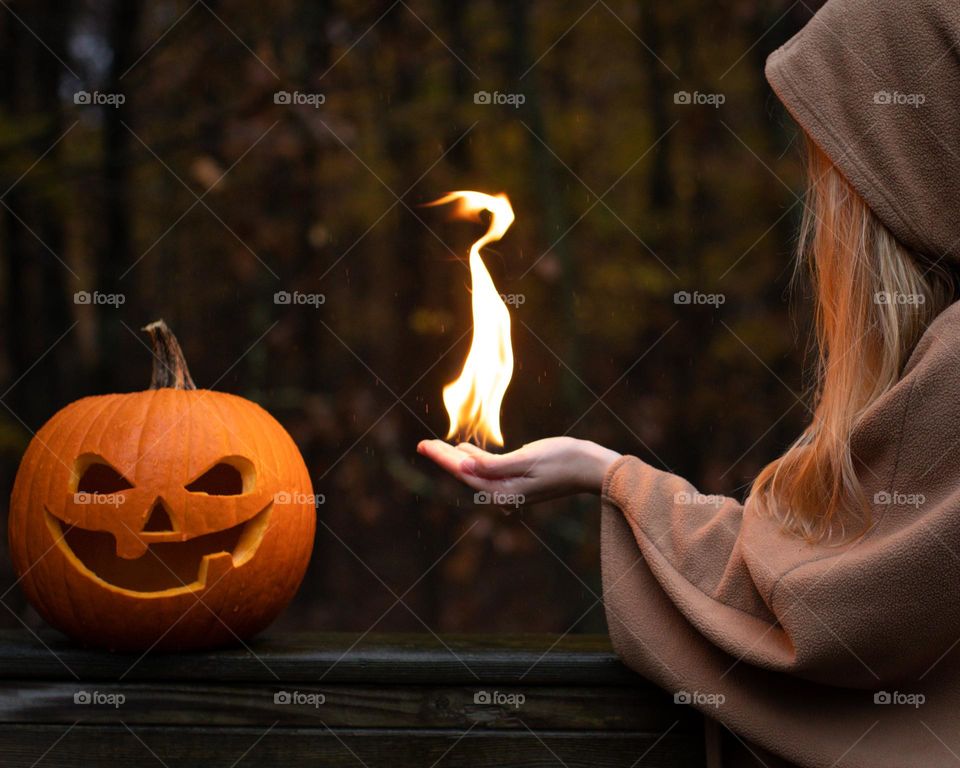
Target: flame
473 400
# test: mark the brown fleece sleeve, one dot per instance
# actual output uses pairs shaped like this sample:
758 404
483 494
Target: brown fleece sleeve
763 597
705 595
691 543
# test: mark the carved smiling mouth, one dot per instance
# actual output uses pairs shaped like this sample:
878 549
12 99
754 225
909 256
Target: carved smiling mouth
166 566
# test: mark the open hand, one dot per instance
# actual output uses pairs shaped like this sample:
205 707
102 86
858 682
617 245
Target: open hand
545 469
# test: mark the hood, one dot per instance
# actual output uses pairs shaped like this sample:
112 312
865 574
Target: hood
876 85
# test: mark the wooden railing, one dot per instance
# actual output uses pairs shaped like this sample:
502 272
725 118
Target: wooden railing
339 700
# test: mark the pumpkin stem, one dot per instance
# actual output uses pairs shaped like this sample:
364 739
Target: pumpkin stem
169 367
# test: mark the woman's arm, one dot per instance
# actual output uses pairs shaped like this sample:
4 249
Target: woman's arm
545 469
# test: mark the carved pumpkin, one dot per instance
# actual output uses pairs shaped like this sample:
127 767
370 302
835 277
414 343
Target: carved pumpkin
173 518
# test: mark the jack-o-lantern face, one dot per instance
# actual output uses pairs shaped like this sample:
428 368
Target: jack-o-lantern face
153 534
171 518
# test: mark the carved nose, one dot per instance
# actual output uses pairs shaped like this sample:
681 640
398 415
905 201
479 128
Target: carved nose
158 520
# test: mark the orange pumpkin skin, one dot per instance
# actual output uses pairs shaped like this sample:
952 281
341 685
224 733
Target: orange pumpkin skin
224 479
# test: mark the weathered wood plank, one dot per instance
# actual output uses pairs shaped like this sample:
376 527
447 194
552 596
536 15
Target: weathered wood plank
120 747
511 707
335 658
390 700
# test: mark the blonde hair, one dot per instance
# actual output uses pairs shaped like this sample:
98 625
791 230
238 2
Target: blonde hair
874 298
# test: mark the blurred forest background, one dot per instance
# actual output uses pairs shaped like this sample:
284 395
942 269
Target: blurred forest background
200 197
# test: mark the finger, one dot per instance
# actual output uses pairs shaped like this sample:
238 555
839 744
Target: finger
444 455
497 466
476 458
452 460
431 445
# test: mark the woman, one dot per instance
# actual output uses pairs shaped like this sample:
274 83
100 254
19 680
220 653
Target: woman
825 611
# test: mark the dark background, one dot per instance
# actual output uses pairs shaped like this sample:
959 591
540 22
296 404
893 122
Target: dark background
327 200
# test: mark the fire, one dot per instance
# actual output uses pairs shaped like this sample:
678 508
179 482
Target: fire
473 400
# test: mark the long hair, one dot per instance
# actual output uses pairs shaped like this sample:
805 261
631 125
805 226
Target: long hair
874 298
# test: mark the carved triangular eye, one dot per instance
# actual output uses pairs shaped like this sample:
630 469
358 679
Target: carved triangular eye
221 479
97 476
